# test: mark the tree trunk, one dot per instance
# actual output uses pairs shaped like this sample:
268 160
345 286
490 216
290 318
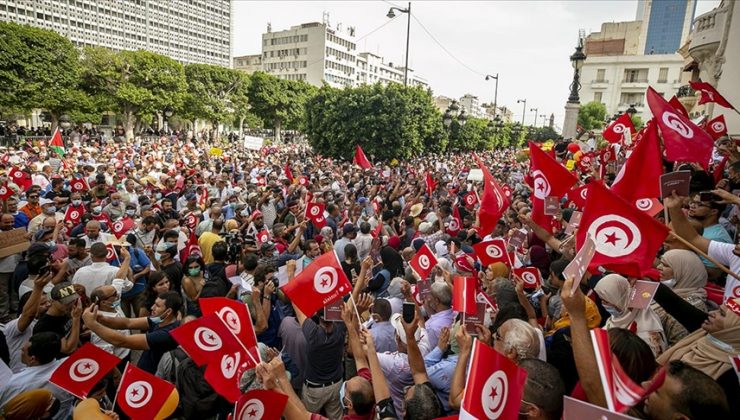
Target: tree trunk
54 121
214 125
241 125
278 124
129 123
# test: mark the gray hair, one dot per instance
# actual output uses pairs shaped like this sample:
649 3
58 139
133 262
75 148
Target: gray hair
523 338
442 292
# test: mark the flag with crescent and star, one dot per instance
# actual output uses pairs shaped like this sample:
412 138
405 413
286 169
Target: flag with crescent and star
84 368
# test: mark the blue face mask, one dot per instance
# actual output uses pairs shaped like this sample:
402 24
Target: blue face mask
115 202
51 210
156 320
158 256
342 391
116 304
614 312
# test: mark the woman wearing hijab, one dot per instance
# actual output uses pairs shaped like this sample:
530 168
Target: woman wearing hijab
682 271
538 258
614 291
392 267
30 405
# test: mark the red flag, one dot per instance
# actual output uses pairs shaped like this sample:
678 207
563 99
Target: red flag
122 227
678 106
493 202
491 251
550 178
235 315
717 127
621 392
431 185
471 199
360 158
455 224
577 196
315 213
224 372
530 275
263 236
494 387
463 294
684 141
710 94
639 178
378 229
21 178
191 247
586 162
303 181
322 282
288 172
83 369
203 339
191 221
203 198
78 185
142 395
74 214
626 239
6 192
111 255
423 262
614 133
260 404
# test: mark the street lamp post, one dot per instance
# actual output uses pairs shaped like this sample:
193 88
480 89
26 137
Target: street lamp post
544 118
573 104
524 109
535 115
391 15
495 92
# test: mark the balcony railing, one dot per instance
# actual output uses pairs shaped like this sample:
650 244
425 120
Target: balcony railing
635 81
685 91
600 81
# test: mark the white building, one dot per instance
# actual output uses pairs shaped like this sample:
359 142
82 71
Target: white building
471 105
248 63
190 31
313 52
373 69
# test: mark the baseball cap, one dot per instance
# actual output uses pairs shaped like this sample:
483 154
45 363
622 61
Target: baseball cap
44 201
267 246
348 228
40 248
64 293
41 233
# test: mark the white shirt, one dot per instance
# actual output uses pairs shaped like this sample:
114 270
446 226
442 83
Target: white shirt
120 352
102 238
35 377
15 339
724 254
95 275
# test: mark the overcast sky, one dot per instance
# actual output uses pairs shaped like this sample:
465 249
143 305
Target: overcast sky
527 43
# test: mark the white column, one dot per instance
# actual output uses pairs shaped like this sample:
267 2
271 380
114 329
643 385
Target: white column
571 120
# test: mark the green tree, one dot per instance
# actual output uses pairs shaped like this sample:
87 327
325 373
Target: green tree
591 116
279 103
214 93
136 84
40 69
637 122
542 134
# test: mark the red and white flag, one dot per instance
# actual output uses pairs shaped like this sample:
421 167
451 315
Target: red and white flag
203 338
142 395
360 158
626 238
260 404
716 127
577 196
303 180
491 251
710 94
322 282
111 254
617 130
78 185
550 179
423 262
288 172
621 392
463 294
430 184
315 213
494 386
74 214
235 315
638 181
21 178
191 221
493 202
84 368
455 224
684 141
191 247
6 192
471 199
122 227
678 106
530 275
263 236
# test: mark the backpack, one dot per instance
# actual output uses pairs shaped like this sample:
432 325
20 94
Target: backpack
197 399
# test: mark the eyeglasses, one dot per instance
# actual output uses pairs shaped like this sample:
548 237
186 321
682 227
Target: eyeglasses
497 336
33 196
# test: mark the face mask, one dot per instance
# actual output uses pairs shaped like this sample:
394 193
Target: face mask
76 202
116 304
194 271
720 344
614 312
156 320
51 244
158 196
342 392
51 210
275 253
130 212
97 210
232 205
670 282
158 256
115 203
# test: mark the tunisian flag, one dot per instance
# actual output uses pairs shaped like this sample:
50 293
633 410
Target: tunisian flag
494 387
463 295
74 214
21 178
288 172
122 226
493 202
315 213
360 158
626 238
491 251
260 404
616 130
423 262
203 339
639 178
684 141
322 282
455 224
550 179
678 106
431 185
78 185
142 395
235 315
79 373
621 392
716 127
710 94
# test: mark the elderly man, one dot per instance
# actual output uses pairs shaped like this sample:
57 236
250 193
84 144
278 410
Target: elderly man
108 299
48 209
116 208
100 273
438 304
517 340
94 235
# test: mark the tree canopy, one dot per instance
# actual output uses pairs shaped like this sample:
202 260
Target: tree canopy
591 116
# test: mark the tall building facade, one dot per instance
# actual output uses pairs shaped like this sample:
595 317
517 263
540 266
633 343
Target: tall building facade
248 63
666 24
190 31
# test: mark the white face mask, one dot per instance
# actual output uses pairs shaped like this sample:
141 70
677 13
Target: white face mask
614 312
670 282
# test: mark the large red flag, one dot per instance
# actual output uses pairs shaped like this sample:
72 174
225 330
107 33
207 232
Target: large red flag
684 141
225 370
678 106
494 387
577 196
84 368
142 395
710 94
615 132
21 178
74 214
491 251
203 339
550 179
430 184
716 127
455 224
639 178
315 213
463 294
260 404
493 202
288 172
235 315
122 227
322 282
626 239
621 392
423 262
360 158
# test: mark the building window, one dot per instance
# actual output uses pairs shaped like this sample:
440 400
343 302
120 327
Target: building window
600 73
597 96
635 76
663 75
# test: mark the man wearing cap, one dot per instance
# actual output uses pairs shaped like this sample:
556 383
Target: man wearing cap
65 306
349 233
100 273
32 207
48 209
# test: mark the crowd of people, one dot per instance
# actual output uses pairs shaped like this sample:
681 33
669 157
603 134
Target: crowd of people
199 223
